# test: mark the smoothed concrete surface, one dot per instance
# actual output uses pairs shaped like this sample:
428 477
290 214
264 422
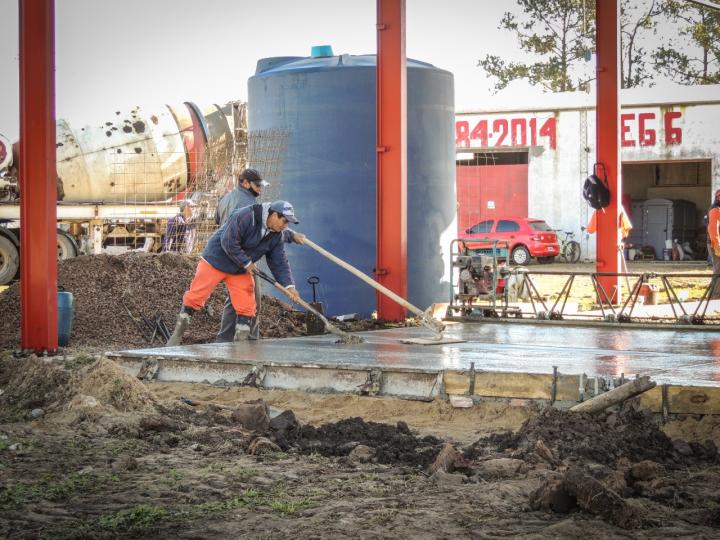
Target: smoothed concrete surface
668 356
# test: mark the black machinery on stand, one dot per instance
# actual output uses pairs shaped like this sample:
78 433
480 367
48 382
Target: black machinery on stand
479 278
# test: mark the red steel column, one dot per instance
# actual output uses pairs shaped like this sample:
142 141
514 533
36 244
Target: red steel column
38 196
608 141
391 265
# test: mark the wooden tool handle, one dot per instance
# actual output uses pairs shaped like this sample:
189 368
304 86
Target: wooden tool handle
437 327
331 328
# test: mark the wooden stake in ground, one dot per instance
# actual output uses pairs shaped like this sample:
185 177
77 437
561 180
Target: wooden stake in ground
615 396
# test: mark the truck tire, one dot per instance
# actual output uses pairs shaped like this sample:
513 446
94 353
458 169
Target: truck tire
66 246
9 259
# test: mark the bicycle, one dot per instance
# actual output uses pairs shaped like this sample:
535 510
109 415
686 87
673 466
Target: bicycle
569 249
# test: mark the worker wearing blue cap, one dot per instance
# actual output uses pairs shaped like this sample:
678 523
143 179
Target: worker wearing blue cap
250 233
250 186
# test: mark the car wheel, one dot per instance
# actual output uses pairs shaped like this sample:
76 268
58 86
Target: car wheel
546 260
520 255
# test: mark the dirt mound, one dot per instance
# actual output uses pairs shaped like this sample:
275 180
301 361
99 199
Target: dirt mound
392 444
30 383
578 437
55 385
111 385
113 292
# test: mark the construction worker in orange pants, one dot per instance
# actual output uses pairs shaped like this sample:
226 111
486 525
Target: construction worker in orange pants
230 255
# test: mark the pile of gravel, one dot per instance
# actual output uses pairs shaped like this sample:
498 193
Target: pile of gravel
113 292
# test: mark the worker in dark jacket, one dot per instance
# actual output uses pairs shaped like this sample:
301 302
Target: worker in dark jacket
250 187
230 255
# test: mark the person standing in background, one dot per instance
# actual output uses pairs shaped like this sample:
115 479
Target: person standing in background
249 188
180 232
713 233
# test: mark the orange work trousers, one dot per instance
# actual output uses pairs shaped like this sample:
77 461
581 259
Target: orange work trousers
240 286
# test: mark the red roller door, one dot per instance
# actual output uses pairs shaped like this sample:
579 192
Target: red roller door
486 191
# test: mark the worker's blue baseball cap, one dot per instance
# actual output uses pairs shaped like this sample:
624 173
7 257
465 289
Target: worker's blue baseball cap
286 209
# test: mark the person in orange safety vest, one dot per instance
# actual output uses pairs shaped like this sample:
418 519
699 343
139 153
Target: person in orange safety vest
713 233
624 224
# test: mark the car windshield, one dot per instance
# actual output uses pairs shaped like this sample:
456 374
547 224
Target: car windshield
539 226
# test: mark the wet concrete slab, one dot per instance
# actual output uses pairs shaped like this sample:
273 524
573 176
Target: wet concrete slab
675 357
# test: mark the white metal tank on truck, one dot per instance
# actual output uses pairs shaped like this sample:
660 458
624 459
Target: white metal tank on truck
121 178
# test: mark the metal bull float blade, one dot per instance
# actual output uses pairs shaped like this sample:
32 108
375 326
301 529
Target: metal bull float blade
436 326
344 336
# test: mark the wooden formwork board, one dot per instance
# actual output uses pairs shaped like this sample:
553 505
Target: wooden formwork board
682 399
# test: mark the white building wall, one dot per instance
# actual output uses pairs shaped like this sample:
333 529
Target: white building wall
651 121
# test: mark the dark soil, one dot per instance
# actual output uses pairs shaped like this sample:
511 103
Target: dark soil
106 458
577 437
113 292
392 444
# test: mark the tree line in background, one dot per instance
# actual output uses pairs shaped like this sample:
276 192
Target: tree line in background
670 39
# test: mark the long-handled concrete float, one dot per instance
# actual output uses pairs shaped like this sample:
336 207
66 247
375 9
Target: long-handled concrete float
344 336
436 326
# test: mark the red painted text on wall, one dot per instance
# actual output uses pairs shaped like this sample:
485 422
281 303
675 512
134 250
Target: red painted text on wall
496 132
641 129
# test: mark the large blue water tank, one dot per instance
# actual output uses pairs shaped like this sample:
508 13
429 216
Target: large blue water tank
327 107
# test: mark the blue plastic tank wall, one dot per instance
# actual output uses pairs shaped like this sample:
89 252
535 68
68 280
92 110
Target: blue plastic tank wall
327 106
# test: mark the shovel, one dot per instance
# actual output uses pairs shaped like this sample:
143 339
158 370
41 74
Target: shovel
344 336
428 321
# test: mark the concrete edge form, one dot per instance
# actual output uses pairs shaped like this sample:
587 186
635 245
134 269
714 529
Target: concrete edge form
425 385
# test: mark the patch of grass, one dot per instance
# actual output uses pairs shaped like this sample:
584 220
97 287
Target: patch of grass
275 456
79 444
51 489
63 489
242 473
215 467
249 498
136 521
4 445
172 479
70 530
289 507
122 446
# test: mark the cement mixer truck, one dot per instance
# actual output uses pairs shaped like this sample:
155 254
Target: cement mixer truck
120 179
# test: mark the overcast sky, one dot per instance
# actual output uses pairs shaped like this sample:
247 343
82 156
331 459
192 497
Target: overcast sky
116 53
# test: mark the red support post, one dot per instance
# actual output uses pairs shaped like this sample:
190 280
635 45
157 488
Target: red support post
391 265
38 176
608 142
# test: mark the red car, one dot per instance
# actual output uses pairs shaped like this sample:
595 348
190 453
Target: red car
527 237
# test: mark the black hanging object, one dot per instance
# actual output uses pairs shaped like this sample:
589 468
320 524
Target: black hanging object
595 190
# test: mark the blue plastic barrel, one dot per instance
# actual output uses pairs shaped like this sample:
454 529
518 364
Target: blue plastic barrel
326 105
66 310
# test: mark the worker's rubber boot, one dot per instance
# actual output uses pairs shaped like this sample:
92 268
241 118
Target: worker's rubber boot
242 328
183 321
